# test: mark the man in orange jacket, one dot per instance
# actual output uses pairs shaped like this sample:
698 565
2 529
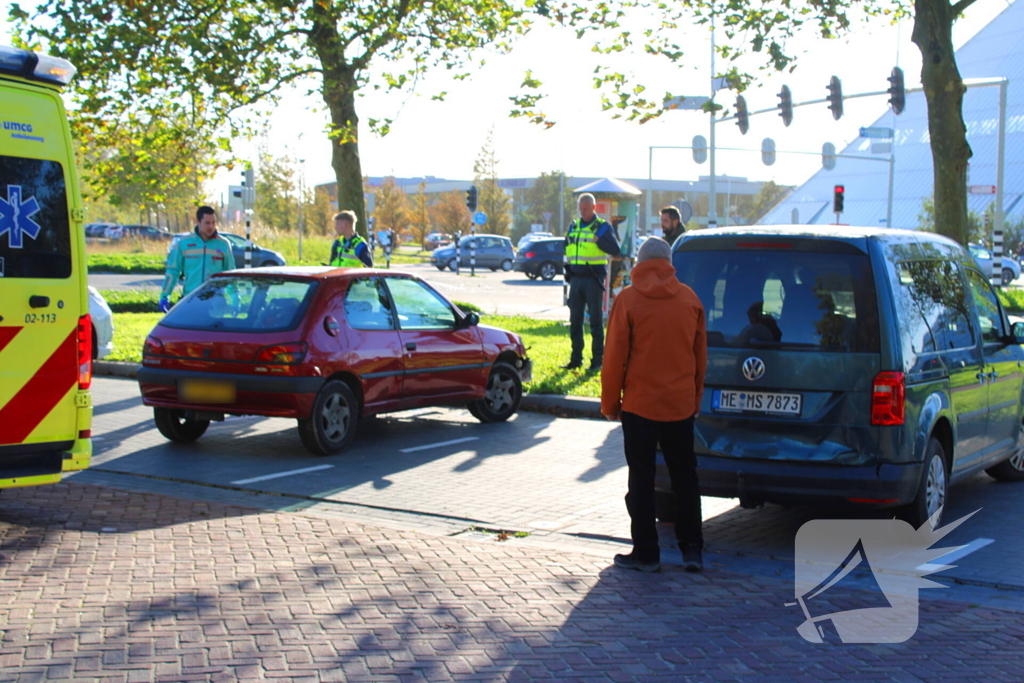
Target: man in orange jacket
657 396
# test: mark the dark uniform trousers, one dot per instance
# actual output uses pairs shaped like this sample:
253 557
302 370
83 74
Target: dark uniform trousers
586 292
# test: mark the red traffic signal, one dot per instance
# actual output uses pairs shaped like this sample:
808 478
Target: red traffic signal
838 195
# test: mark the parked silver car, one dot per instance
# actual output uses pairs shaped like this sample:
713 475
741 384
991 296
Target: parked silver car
983 257
102 325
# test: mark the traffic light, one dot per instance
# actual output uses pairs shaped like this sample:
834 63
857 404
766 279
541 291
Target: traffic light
786 105
742 116
471 198
897 92
838 195
835 97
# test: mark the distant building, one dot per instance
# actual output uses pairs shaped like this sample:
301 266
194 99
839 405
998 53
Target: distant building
989 54
735 195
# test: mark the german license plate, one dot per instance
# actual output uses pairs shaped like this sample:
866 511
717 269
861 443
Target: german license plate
206 391
766 402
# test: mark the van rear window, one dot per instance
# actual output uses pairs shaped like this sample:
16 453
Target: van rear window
35 235
787 300
243 304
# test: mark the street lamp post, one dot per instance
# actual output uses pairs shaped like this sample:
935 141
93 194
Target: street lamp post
302 199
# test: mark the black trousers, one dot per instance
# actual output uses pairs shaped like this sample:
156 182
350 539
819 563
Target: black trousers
641 437
586 292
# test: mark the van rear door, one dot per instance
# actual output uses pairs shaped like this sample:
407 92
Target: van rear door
793 347
42 278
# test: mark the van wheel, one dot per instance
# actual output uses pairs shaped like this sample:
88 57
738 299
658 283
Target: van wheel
504 393
331 426
506 265
931 492
665 506
1007 276
548 271
176 427
1011 469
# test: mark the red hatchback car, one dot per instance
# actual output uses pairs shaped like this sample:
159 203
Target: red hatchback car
325 346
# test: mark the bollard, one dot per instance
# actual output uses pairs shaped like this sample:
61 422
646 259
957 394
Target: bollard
472 253
458 252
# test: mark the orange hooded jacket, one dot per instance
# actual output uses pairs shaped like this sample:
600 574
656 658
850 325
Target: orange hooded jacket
656 349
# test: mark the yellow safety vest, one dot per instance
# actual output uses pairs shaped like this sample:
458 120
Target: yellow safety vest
346 258
581 244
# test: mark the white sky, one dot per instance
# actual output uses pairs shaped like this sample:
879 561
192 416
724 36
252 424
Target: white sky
444 138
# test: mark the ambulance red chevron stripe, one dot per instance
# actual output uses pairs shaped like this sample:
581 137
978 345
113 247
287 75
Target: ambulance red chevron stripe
41 393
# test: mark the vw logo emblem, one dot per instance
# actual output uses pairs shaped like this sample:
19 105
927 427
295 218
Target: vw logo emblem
753 368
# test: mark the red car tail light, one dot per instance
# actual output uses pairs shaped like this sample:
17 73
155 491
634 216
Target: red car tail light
530 254
153 347
887 403
85 351
282 354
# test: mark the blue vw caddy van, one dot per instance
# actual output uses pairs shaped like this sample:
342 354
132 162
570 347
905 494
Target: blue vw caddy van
857 365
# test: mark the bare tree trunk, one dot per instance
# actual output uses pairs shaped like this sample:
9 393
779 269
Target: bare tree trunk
339 93
944 93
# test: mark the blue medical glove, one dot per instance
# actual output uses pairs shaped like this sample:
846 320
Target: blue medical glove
165 304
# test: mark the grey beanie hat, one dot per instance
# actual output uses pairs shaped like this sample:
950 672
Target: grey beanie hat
652 248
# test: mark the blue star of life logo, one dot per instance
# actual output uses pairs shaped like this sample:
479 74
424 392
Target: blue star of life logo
16 217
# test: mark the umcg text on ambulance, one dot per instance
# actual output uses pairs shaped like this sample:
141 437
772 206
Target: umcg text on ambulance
45 330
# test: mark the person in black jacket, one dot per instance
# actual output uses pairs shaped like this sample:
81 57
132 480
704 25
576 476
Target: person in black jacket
671 225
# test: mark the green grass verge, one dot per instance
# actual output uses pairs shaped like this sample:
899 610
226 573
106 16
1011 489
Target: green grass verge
1012 299
130 331
547 345
126 263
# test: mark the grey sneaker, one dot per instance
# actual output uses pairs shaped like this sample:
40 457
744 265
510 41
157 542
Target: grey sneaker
692 558
631 561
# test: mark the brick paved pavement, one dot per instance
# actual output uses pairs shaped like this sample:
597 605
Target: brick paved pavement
101 584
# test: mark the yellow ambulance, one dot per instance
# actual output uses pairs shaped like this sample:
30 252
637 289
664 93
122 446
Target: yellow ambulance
45 330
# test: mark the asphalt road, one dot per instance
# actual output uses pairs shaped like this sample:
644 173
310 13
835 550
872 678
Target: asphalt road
498 293
559 479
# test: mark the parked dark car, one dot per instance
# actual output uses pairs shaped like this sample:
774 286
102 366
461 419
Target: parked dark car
867 366
98 229
261 256
139 232
326 347
541 258
492 251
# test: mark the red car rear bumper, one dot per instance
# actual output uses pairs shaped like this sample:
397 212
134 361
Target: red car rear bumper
252 395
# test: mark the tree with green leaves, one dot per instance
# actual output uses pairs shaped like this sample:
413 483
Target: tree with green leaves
277 200
492 200
543 197
215 62
767 197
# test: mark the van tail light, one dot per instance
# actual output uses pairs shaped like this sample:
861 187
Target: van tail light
282 354
153 347
530 254
887 404
85 351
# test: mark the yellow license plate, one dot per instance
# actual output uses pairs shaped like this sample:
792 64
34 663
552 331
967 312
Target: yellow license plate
206 391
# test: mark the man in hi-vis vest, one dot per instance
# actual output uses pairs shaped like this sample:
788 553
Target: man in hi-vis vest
588 243
349 250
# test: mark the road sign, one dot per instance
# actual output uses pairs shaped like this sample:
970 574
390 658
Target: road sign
480 218
876 132
828 156
700 149
981 189
692 102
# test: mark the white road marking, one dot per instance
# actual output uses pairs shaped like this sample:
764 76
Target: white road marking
959 553
438 445
283 474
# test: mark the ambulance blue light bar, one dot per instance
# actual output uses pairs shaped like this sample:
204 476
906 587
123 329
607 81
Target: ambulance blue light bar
34 66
